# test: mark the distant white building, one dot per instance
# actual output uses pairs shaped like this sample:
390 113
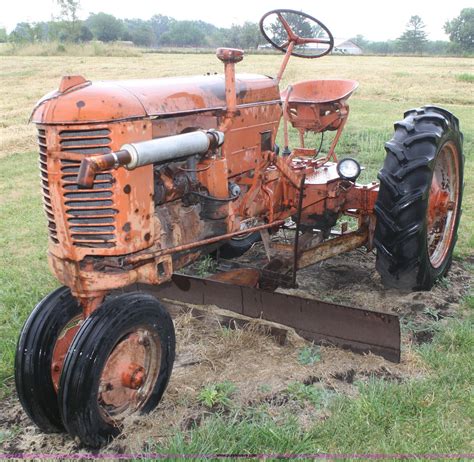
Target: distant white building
346 47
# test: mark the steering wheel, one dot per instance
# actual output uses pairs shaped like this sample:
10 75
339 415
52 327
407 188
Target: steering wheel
310 37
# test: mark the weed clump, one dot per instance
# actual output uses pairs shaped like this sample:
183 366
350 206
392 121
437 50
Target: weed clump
309 355
217 395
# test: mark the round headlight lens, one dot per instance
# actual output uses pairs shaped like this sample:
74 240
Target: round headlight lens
348 169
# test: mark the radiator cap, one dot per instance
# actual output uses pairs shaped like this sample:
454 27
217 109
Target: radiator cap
70 81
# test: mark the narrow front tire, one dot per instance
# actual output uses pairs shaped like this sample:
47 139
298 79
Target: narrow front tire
119 364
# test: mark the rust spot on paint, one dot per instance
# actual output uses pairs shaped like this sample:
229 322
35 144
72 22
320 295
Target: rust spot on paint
127 188
127 227
80 104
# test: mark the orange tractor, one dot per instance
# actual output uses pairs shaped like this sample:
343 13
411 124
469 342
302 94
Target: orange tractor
142 177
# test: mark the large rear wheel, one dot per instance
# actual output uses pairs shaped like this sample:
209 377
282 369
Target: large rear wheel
419 203
119 364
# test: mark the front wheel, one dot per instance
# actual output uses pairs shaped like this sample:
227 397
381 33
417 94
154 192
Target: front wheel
419 203
47 331
119 364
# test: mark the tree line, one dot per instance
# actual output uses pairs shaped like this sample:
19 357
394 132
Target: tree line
414 40
158 31
163 30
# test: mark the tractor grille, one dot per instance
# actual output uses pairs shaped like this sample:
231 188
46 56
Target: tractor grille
45 186
90 212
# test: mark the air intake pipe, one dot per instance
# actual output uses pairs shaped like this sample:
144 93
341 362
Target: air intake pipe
160 150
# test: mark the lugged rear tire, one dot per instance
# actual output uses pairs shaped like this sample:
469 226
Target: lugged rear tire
419 202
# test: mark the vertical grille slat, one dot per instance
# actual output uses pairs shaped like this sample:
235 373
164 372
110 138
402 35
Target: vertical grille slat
90 213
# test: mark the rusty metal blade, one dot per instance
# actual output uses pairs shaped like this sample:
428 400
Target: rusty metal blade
359 330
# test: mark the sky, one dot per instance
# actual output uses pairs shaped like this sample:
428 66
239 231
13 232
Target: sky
376 20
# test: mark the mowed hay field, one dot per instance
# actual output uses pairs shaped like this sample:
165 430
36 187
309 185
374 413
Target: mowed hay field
428 411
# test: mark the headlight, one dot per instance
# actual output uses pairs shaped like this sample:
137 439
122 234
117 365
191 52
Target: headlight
348 169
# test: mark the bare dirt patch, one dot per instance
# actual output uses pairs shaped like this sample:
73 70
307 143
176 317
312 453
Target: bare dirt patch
262 368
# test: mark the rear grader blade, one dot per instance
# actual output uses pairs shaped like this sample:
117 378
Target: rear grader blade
356 329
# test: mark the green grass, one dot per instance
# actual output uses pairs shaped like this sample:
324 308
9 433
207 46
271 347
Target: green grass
24 275
465 77
312 394
430 415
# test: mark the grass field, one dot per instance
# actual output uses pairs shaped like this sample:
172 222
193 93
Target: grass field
429 415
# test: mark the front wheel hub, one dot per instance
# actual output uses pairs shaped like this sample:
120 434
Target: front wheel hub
133 377
129 374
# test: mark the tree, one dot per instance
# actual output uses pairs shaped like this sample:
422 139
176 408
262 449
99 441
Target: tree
22 33
381 48
245 36
461 30
68 14
250 35
160 25
139 32
3 35
85 34
105 27
184 34
414 37
68 9
300 25
40 31
437 47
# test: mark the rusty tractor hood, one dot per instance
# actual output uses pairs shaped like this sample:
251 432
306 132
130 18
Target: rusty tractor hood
81 101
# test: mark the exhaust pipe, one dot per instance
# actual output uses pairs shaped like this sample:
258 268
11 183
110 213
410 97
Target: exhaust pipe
159 150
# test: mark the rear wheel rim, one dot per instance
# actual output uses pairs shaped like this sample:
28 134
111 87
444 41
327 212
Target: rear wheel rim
130 374
443 204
